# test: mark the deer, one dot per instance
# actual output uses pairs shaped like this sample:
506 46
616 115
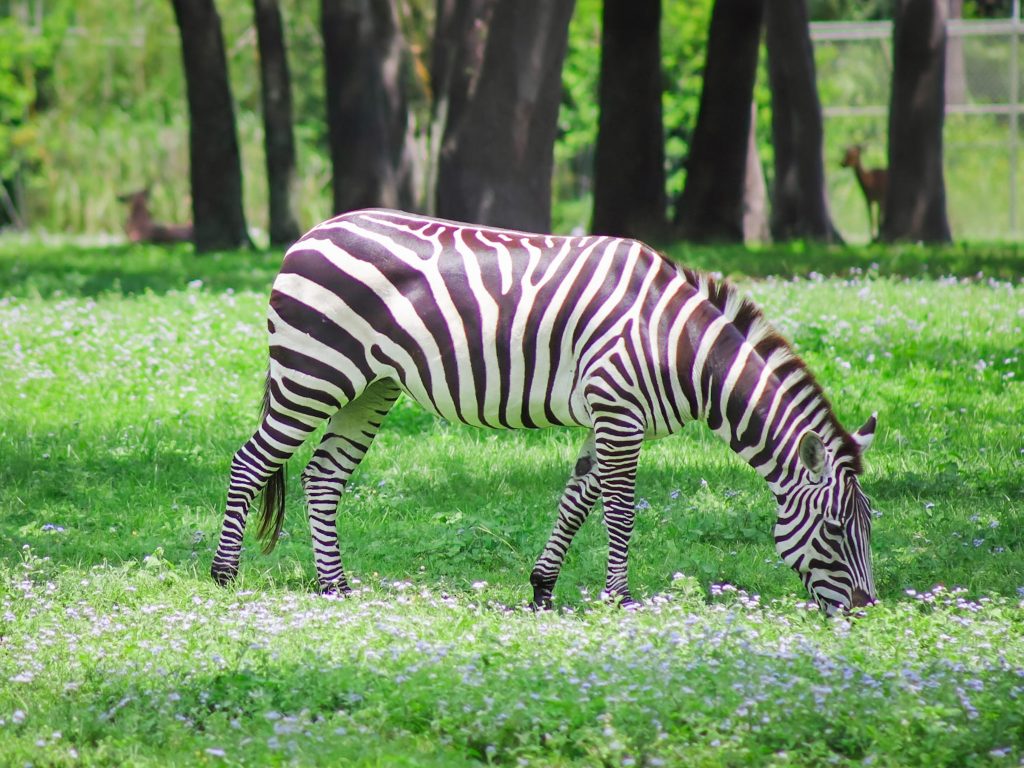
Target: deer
873 183
141 228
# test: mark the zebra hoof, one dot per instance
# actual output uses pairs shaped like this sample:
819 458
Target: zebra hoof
223 575
543 587
620 599
335 589
541 604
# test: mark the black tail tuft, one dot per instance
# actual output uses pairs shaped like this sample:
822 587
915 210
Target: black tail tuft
272 502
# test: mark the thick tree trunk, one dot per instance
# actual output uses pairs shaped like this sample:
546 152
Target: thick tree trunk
456 60
799 204
216 169
367 114
629 161
279 140
915 205
497 154
710 207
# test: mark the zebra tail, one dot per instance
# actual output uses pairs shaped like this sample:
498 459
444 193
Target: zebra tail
272 501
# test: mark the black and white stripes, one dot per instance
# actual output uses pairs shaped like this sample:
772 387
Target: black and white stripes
510 330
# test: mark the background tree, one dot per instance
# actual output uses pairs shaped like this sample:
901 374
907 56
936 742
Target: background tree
755 190
367 111
460 32
497 153
629 163
799 203
915 204
710 207
279 141
215 168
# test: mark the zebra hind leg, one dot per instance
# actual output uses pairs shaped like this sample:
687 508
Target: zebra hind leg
259 464
618 445
577 500
349 434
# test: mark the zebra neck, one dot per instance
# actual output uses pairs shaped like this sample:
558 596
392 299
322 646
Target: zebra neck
763 408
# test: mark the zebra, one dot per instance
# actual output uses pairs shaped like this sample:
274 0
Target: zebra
507 330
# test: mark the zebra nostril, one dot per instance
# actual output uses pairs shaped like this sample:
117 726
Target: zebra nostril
861 598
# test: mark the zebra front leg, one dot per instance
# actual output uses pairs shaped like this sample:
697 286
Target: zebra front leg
617 447
349 435
577 500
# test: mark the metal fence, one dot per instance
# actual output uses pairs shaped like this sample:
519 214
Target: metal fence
982 128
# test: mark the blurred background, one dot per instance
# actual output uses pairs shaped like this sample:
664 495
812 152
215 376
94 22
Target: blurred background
93 105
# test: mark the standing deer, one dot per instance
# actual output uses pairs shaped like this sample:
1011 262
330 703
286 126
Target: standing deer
873 183
141 228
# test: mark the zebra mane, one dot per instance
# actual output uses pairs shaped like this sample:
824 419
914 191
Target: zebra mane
748 318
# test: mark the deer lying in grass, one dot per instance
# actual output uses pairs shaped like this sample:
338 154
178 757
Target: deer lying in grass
873 183
141 228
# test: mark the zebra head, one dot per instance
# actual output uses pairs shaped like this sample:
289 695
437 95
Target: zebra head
823 530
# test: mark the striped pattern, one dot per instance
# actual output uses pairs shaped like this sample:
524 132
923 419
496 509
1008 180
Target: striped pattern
510 330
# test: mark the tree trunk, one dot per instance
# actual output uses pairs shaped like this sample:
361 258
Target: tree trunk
710 207
915 205
799 203
367 114
497 154
956 66
277 122
216 169
455 64
629 161
755 191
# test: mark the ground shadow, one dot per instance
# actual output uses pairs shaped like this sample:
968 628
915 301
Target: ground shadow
50 270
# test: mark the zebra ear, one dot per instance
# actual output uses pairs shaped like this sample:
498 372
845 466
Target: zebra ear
812 454
864 436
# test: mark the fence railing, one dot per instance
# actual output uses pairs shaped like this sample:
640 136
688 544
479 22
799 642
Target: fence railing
984 83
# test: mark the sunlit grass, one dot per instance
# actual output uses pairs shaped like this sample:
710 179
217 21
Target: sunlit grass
127 387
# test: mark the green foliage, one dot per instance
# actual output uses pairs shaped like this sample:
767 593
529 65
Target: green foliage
850 10
26 60
115 117
684 42
132 374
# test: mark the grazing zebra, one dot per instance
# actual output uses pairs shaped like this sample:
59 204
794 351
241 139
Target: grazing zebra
512 330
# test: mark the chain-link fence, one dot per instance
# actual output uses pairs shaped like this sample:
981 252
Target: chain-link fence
983 152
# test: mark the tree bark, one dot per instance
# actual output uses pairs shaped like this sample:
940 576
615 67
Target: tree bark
629 161
755 190
460 33
278 140
710 207
367 113
216 169
956 65
799 203
915 205
497 154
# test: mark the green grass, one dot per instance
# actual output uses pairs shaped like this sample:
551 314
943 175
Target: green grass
130 375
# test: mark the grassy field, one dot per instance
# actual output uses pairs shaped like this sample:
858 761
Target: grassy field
129 376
